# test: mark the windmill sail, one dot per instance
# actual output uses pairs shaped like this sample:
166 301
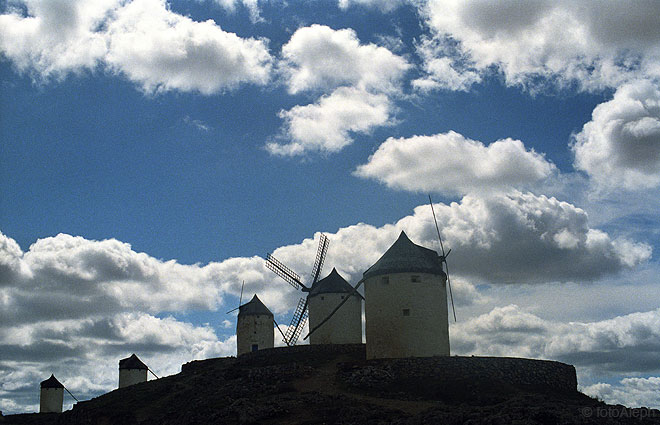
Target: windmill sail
300 314
284 272
444 258
320 258
297 323
240 300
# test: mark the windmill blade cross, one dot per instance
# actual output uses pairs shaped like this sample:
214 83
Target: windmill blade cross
320 258
444 258
297 323
284 272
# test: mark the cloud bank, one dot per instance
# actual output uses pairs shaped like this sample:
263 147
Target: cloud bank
624 344
72 301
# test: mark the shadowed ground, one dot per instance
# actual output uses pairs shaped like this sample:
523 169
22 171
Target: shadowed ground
335 384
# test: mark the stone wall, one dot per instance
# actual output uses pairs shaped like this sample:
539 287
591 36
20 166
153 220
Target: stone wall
438 374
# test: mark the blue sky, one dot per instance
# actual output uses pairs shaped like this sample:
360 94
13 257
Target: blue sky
152 152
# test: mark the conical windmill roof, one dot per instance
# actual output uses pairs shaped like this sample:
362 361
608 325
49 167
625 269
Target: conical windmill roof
332 284
51 382
254 307
132 362
404 256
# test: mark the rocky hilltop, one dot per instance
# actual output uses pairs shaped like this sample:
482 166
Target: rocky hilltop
335 384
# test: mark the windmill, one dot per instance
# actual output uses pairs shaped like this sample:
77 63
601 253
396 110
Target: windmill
443 266
253 307
300 314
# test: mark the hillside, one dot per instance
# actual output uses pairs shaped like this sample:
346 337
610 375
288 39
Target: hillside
335 384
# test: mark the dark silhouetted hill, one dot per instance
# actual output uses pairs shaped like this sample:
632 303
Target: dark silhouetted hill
336 385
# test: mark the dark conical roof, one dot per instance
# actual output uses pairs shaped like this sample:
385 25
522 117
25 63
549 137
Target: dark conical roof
331 284
254 307
132 363
51 382
404 256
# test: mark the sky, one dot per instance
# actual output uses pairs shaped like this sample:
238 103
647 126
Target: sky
153 152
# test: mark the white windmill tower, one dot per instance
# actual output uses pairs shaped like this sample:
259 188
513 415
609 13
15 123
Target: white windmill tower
321 297
254 327
405 302
132 371
345 327
51 395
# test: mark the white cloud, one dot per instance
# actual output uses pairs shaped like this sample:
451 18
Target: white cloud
162 51
465 293
251 5
516 237
56 37
324 126
442 70
521 237
451 163
632 392
623 344
620 146
383 5
318 57
12 266
563 42
358 81
142 39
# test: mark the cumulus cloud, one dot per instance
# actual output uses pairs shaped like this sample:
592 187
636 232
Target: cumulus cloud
516 237
564 42
624 344
162 50
319 57
72 277
12 266
620 146
358 81
55 37
325 126
522 237
141 39
450 163
633 392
